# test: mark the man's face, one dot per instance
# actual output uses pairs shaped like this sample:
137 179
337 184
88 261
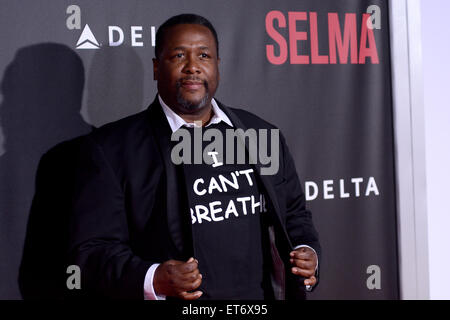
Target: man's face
187 68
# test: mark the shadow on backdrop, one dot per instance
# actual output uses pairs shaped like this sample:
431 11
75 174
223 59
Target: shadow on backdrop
43 90
42 93
115 85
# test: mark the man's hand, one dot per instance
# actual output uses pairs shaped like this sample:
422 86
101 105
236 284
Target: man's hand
304 262
176 278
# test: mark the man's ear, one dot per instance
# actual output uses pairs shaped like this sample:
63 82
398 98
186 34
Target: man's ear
155 69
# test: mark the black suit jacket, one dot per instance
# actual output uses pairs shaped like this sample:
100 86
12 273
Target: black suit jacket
128 205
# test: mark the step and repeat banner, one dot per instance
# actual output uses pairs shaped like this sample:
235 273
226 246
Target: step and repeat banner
319 70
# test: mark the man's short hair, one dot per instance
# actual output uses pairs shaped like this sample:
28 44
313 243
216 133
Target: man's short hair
186 18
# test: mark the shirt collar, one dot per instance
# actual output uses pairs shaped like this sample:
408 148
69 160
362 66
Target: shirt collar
176 122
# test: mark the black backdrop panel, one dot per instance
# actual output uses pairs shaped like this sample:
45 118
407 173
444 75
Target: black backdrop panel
315 69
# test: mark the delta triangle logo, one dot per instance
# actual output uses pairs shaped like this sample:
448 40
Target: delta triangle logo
87 39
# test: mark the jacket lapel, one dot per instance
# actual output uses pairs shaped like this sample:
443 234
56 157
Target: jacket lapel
162 133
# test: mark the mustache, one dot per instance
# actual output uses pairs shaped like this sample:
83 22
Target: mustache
191 78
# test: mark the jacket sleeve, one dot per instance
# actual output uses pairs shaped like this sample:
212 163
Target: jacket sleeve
98 231
299 223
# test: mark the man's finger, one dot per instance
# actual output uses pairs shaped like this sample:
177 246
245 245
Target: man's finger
303 264
310 281
305 255
189 286
190 295
307 273
191 276
187 267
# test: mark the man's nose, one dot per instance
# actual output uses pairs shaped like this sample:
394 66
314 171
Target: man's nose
191 66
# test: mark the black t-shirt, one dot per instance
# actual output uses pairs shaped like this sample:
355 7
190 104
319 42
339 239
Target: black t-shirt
226 209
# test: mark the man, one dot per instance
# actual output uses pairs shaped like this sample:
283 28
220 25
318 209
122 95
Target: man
131 231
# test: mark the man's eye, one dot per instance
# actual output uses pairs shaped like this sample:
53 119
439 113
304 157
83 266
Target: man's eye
179 55
204 55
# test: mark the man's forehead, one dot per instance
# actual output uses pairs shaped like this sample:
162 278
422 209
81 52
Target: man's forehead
189 33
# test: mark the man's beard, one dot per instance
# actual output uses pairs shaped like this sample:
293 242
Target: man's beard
189 105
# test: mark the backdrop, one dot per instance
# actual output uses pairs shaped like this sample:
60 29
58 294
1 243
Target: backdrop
319 70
